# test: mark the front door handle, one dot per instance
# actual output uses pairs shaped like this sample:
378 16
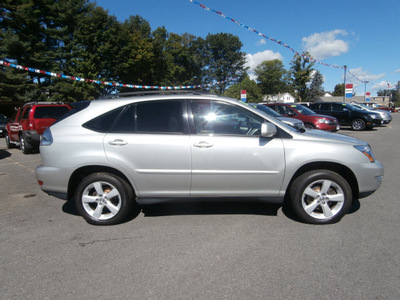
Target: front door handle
203 145
118 143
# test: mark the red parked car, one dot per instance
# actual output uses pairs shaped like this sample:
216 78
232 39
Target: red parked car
310 119
28 123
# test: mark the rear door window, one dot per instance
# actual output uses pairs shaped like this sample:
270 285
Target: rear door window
150 117
159 116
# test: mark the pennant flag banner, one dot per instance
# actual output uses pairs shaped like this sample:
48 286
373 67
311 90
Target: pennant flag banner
116 84
264 36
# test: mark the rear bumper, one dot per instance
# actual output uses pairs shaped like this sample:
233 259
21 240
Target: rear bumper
53 181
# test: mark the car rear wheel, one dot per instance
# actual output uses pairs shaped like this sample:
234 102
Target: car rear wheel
104 199
358 124
24 145
320 197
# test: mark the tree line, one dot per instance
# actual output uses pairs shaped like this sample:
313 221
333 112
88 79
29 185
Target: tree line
81 39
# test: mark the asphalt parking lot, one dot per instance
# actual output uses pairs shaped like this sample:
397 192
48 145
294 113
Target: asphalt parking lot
199 251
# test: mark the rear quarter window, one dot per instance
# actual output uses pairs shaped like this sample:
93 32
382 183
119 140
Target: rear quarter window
103 122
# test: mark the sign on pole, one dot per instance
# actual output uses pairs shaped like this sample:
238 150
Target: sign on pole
243 95
349 90
367 96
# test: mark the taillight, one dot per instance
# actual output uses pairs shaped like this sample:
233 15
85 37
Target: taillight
46 138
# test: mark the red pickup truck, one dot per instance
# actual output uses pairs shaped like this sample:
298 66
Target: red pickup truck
28 123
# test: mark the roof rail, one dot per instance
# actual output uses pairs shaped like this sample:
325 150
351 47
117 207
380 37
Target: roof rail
41 103
158 92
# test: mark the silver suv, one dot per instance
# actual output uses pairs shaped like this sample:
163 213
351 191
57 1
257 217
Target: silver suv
110 155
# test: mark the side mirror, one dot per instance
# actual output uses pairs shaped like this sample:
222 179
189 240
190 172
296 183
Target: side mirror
268 129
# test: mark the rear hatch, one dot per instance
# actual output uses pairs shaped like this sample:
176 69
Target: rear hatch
44 116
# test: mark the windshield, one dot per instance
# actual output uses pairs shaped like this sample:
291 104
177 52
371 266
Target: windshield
352 107
267 110
302 109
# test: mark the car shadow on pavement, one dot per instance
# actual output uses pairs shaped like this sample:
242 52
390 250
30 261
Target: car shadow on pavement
207 208
210 208
69 208
4 154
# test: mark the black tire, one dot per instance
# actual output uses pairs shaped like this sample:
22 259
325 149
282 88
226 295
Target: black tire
320 197
24 145
95 207
8 142
358 124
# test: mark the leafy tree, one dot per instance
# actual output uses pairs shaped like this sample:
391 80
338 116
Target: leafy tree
136 55
96 49
316 90
185 61
21 40
15 85
78 38
338 90
301 68
271 77
393 93
224 59
40 35
253 92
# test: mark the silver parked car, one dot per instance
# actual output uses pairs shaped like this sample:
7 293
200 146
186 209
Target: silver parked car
110 155
386 115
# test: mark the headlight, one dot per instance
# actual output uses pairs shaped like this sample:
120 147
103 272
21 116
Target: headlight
324 121
373 116
367 151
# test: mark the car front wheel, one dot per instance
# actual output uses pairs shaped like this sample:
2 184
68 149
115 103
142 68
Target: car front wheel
320 197
358 124
104 199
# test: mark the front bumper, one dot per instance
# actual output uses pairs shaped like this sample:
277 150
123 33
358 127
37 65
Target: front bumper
369 176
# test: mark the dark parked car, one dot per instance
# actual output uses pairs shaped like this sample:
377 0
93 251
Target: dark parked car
310 119
3 123
348 115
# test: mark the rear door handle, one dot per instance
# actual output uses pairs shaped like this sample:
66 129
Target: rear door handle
118 143
203 145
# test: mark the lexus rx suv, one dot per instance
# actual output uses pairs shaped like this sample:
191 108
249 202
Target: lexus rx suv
110 155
